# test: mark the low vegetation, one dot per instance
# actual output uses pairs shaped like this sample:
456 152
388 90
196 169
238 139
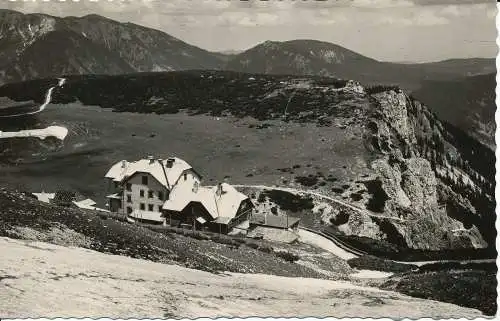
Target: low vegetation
288 201
381 88
368 262
20 214
464 287
391 251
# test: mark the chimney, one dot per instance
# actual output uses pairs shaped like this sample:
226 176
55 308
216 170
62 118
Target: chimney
151 159
124 163
170 162
195 187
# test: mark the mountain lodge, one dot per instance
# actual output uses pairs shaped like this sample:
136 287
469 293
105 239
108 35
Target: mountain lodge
157 191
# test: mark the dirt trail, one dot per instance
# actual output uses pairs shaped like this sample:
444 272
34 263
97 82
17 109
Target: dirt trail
328 245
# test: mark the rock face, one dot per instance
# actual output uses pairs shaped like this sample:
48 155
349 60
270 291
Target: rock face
424 191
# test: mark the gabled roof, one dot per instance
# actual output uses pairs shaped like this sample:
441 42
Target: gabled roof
224 205
156 168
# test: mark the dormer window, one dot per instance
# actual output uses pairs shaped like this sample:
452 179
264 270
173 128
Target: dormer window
144 180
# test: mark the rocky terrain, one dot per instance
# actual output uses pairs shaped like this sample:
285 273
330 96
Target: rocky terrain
425 182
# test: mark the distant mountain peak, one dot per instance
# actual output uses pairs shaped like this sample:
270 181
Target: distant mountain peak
90 44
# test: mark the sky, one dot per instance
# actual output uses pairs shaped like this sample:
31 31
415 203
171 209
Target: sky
387 30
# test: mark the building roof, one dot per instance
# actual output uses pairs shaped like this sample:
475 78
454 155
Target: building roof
155 167
147 215
218 205
115 196
271 220
44 197
88 204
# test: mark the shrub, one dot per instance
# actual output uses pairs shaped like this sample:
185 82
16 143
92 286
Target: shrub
306 181
287 256
368 262
381 88
288 201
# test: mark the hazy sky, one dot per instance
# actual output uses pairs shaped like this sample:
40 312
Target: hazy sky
389 30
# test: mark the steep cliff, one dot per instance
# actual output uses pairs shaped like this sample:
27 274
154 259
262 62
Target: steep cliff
423 180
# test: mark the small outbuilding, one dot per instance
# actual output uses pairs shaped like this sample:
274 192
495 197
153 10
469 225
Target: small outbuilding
280 228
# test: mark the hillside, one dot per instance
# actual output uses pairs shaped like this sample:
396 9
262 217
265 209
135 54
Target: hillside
468 103
94 44
47 249
317 58
89 45
118 287
428 184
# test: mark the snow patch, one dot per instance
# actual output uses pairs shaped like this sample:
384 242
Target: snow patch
369 274
324 243
51 131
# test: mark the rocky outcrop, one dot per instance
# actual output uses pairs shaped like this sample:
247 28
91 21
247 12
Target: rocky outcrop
411 187
392 106
409 142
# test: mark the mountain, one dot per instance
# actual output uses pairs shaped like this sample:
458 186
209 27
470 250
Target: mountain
302 57
442 85
421 183
312 57
468 103
39 45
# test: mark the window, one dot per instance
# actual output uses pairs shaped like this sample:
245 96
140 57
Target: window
144 180
150 194
142 206
129 210
150 207
129 198
141 193
160 195
116 184
159 208
129 187
185 176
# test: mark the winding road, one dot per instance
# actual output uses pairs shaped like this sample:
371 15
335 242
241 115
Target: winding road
333 244
299 191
